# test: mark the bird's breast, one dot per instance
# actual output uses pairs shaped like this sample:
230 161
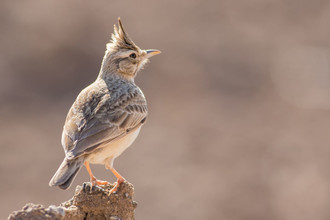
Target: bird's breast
112 149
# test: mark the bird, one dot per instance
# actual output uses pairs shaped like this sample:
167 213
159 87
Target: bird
107 115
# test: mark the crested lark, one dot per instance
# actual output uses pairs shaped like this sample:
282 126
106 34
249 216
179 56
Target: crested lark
107 115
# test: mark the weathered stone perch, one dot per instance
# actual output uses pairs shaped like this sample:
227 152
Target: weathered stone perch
85 204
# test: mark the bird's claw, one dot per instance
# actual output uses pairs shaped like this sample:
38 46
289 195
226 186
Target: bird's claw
116 185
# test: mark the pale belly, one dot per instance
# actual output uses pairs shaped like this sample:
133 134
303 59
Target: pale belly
112 150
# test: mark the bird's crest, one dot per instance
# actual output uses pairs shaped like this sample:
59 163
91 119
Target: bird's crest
120 39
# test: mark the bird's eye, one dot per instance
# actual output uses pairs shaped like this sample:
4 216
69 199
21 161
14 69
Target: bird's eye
132 55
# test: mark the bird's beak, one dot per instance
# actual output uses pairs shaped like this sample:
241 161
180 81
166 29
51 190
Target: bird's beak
151 52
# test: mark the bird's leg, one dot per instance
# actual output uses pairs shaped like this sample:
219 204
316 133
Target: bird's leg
120 179
93 180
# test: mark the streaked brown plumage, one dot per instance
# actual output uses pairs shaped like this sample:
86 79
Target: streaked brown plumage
107 115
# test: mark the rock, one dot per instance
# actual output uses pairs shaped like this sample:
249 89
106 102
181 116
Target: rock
38 212
87 203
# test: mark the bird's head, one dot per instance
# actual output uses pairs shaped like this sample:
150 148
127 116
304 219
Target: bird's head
123 56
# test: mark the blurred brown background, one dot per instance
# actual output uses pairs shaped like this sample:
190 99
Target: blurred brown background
239 104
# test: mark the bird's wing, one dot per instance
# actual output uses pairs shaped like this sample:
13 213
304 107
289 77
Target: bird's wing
101 120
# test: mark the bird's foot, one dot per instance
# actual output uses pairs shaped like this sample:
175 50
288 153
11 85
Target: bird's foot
99 182
116 185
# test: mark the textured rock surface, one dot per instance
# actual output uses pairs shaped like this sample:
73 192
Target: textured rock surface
86 204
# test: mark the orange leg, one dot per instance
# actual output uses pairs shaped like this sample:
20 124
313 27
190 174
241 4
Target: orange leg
93 180
120 179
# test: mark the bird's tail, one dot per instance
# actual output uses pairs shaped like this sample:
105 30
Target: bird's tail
66 173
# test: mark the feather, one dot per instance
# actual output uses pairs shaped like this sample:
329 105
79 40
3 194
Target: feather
121 40
104 115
